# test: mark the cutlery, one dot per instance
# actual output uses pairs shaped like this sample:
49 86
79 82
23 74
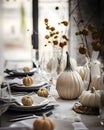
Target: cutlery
22 93
29 117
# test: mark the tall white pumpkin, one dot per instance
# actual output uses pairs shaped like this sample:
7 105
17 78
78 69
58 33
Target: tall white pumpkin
69 84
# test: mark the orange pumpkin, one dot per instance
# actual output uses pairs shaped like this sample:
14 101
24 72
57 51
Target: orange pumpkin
28 81
43 92
44 123
27 101
26 69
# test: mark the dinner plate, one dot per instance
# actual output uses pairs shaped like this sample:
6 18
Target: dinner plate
20 72
39 102
34 87
17 85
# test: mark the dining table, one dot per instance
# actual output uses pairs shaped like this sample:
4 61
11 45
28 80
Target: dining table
62 113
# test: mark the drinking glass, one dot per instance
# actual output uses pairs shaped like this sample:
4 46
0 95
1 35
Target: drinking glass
101 108
35 58
1 80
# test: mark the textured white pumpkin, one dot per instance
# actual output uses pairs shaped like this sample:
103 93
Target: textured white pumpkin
69 84
90 98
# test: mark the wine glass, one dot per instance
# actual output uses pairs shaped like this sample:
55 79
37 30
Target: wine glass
35 59
1 80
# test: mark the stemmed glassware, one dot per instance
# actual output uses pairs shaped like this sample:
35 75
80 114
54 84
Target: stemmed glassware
35 58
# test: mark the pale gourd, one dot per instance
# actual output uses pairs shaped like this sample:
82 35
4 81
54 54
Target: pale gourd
69 84
44 123
96 82
28 80
27 101
26 69
84 71
90 98
43 92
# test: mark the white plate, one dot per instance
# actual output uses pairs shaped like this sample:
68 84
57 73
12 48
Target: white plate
39 102
20 72
16 87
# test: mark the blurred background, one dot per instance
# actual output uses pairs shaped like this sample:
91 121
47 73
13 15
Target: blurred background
22 20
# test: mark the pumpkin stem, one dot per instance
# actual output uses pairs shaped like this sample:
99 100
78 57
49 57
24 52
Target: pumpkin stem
44 116
92 89
68 64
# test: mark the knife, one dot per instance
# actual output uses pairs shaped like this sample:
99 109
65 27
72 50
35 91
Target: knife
29 117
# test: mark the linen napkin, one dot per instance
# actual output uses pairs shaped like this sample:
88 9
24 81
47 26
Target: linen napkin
15 128
79 126
59 124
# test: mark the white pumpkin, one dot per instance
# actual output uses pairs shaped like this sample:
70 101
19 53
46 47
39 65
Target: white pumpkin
69 84
90 98
84 71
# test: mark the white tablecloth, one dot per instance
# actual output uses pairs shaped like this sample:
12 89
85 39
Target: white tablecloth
65 118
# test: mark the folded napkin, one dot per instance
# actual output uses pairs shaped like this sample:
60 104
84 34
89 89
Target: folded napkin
79 126
15 128
68 116
19 72
59 124
4 105
15 81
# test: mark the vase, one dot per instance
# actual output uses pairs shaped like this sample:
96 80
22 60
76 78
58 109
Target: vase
56 63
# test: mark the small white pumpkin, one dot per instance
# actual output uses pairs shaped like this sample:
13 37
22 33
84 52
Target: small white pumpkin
90 98
27 100
69 84
84 71
28 81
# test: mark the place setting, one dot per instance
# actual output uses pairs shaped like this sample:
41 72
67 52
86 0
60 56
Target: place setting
20 71
26 99
26 83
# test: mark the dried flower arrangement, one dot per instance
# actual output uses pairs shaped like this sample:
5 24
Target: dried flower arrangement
55 37
92 40
58 38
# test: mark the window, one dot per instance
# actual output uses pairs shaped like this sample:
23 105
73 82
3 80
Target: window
17 28
56 11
